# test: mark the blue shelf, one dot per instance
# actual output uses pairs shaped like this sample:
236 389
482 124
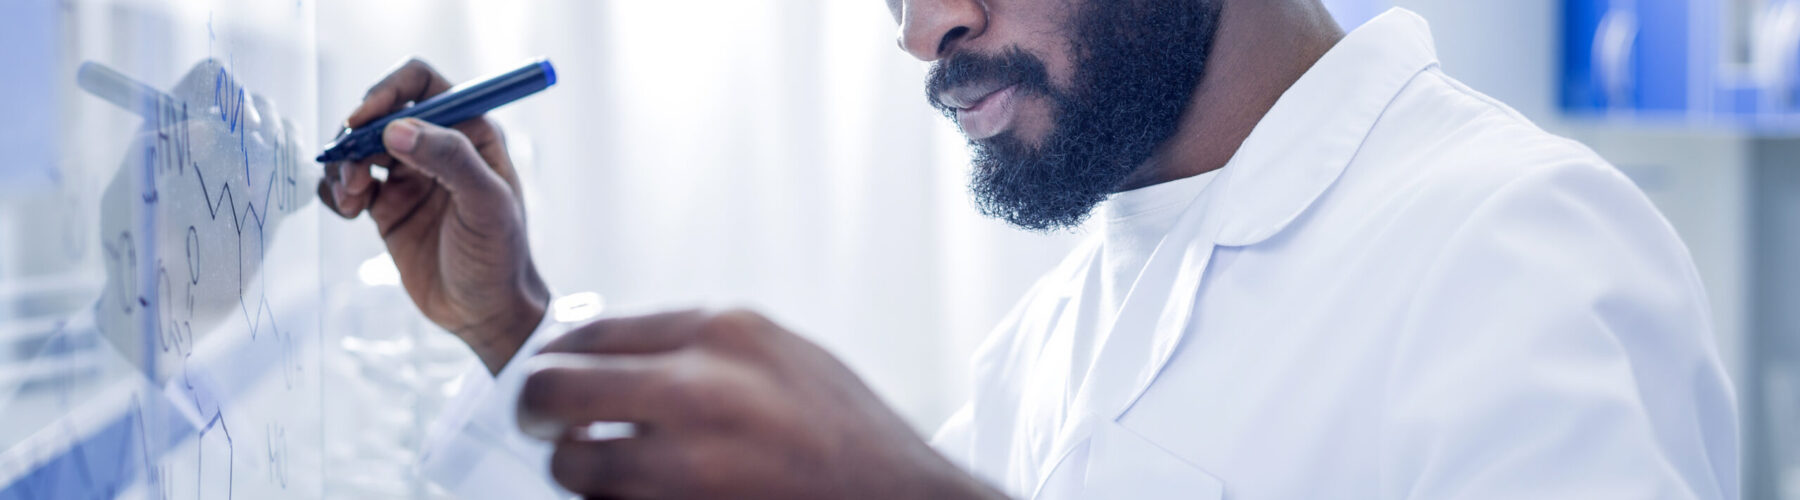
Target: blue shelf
1658 63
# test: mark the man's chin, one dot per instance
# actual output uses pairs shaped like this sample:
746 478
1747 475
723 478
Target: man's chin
1026 207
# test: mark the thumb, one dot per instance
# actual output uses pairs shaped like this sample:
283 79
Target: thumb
446 156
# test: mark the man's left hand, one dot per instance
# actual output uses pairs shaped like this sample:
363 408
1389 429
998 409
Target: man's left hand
726 405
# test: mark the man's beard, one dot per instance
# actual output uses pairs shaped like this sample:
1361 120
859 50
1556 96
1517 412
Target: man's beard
1137 63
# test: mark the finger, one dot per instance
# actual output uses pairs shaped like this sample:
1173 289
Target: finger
633 334
327 197
480 130
620 468
333 189
565 390
384 160
351 185
331 186
411 81
448 157
405 194
351 203
356 177
490 142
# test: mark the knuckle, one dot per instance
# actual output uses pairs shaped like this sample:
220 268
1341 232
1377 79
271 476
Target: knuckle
683 383
499 133
686 321
686 314
416 63
392 82
735 323
482 130
380 88
691 387
705 396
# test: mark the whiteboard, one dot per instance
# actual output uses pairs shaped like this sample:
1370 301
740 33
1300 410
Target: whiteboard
160 251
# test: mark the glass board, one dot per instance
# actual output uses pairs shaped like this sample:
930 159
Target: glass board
159 251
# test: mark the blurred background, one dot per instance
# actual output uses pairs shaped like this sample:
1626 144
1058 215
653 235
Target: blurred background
779 154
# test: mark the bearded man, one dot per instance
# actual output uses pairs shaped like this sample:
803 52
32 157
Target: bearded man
1321 268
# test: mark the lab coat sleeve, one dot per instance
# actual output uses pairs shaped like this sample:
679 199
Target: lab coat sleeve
475 449
1559 348
956 438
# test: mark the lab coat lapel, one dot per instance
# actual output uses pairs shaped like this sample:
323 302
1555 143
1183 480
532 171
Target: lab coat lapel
1291 158
1160 301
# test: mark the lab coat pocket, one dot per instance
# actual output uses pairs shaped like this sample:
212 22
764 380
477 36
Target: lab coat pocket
1122 464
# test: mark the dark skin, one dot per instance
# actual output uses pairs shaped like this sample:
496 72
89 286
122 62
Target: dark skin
452 215
730 404
727 405
1262 47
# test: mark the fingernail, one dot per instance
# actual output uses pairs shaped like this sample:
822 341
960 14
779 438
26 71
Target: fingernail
402 136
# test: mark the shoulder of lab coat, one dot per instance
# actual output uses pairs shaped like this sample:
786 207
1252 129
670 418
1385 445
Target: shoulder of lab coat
1564 330
475 449
1550 340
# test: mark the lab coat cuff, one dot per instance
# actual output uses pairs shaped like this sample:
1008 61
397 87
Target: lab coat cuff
475 448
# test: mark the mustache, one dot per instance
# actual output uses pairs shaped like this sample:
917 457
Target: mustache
1014 66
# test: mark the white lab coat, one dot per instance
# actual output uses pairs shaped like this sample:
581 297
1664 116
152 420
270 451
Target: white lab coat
1397 288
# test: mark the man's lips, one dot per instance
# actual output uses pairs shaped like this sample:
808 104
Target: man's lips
983 111
965 96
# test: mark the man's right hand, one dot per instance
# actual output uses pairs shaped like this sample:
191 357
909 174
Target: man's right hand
452 214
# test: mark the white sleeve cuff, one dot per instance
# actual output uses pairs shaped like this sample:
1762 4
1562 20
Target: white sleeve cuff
475 449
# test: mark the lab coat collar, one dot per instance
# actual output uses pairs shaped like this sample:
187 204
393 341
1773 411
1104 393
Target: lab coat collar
1306 140
1290 159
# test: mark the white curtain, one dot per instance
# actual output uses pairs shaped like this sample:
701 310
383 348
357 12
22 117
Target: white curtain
771 153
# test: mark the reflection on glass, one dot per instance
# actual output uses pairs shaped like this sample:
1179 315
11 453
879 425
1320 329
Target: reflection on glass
158 304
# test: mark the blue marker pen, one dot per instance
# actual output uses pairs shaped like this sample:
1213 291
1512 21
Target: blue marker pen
460 103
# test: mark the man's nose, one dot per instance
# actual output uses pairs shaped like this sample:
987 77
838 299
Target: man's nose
929 29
